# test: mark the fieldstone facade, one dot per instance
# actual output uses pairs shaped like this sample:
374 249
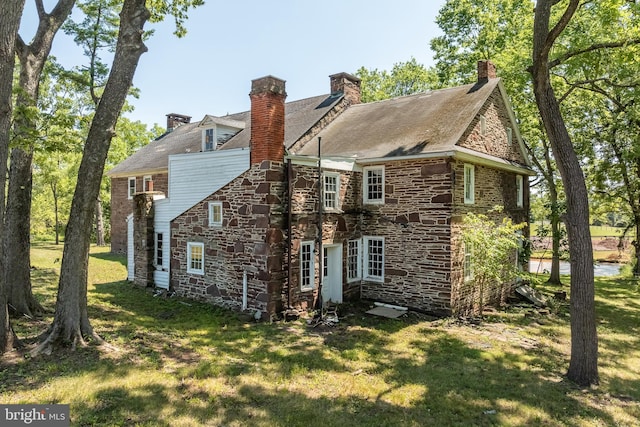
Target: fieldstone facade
250 242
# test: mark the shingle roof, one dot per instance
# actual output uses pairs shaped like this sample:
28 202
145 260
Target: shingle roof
300 116
409 125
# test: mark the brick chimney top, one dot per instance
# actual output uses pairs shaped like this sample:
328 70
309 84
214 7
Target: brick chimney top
267 119
486 71
174 120
347 84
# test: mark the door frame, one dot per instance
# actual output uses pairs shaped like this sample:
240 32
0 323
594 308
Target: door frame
332 285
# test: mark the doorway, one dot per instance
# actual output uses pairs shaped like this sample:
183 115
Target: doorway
332 273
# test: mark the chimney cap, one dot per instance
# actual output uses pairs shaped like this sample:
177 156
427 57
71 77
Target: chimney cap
268 84
344 75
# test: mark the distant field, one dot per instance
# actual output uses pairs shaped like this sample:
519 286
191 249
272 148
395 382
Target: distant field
596 230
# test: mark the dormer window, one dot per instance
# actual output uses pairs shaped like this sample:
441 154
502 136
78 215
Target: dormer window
209 142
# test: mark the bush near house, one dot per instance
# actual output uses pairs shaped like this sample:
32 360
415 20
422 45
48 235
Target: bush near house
181 363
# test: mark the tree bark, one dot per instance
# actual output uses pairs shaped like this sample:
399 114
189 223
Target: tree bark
583 366
17 237
99 224
554 277
17 259
71 323
9 24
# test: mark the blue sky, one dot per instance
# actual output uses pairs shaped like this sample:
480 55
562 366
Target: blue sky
229 43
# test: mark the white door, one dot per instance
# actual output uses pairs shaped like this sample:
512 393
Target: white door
130 259
332 273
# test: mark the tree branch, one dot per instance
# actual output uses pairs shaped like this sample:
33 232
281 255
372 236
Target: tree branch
593 47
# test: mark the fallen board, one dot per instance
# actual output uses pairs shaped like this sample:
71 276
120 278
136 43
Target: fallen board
391 313
531 295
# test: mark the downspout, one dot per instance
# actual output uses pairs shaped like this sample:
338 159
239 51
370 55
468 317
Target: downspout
244 290
320 207
289 229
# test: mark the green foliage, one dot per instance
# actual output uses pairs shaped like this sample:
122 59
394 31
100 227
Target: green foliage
405 78
494 243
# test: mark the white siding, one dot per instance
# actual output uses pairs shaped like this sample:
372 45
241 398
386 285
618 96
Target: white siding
193 177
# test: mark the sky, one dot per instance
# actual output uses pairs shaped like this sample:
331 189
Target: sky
230 43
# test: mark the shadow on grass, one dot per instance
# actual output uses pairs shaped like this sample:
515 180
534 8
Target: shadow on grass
108 256
214 368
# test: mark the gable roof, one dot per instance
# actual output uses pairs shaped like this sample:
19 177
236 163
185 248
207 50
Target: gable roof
411 125
300 116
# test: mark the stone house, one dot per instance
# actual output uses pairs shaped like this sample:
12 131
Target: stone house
324 198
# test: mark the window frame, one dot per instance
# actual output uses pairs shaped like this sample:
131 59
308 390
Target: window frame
130 193
211 215
145 181
469 187
158 250
190 259
354 258
205 136
335 193
367 259
366 185
467 262
307 266
519 191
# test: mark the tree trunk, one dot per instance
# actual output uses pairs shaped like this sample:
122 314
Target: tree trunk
636 247
17 246
583 366
17 237
99 224
9 24
71 323
554 277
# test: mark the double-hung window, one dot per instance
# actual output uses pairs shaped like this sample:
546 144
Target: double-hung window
519 191
195 258
307 266
331 193
469 184
354 262
146 183
131 187
215 214
374 259
373 185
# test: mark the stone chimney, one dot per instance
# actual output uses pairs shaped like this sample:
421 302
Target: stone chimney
174 120
267 119
486 71
347 84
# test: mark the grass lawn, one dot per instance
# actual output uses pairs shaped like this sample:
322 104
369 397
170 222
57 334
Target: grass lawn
181 363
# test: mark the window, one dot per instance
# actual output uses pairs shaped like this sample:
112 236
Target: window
469 184
158 250
195 258
354 263
467 266
132 187
215 214
483 125
519 191
307 268
331 193
373 184
509 136
209 144
374 259
147 183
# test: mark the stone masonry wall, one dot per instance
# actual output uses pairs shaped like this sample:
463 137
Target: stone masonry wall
121 207
415 222
250 240
338 228
494 139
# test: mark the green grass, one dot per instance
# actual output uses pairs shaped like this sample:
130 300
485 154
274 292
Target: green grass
182 363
